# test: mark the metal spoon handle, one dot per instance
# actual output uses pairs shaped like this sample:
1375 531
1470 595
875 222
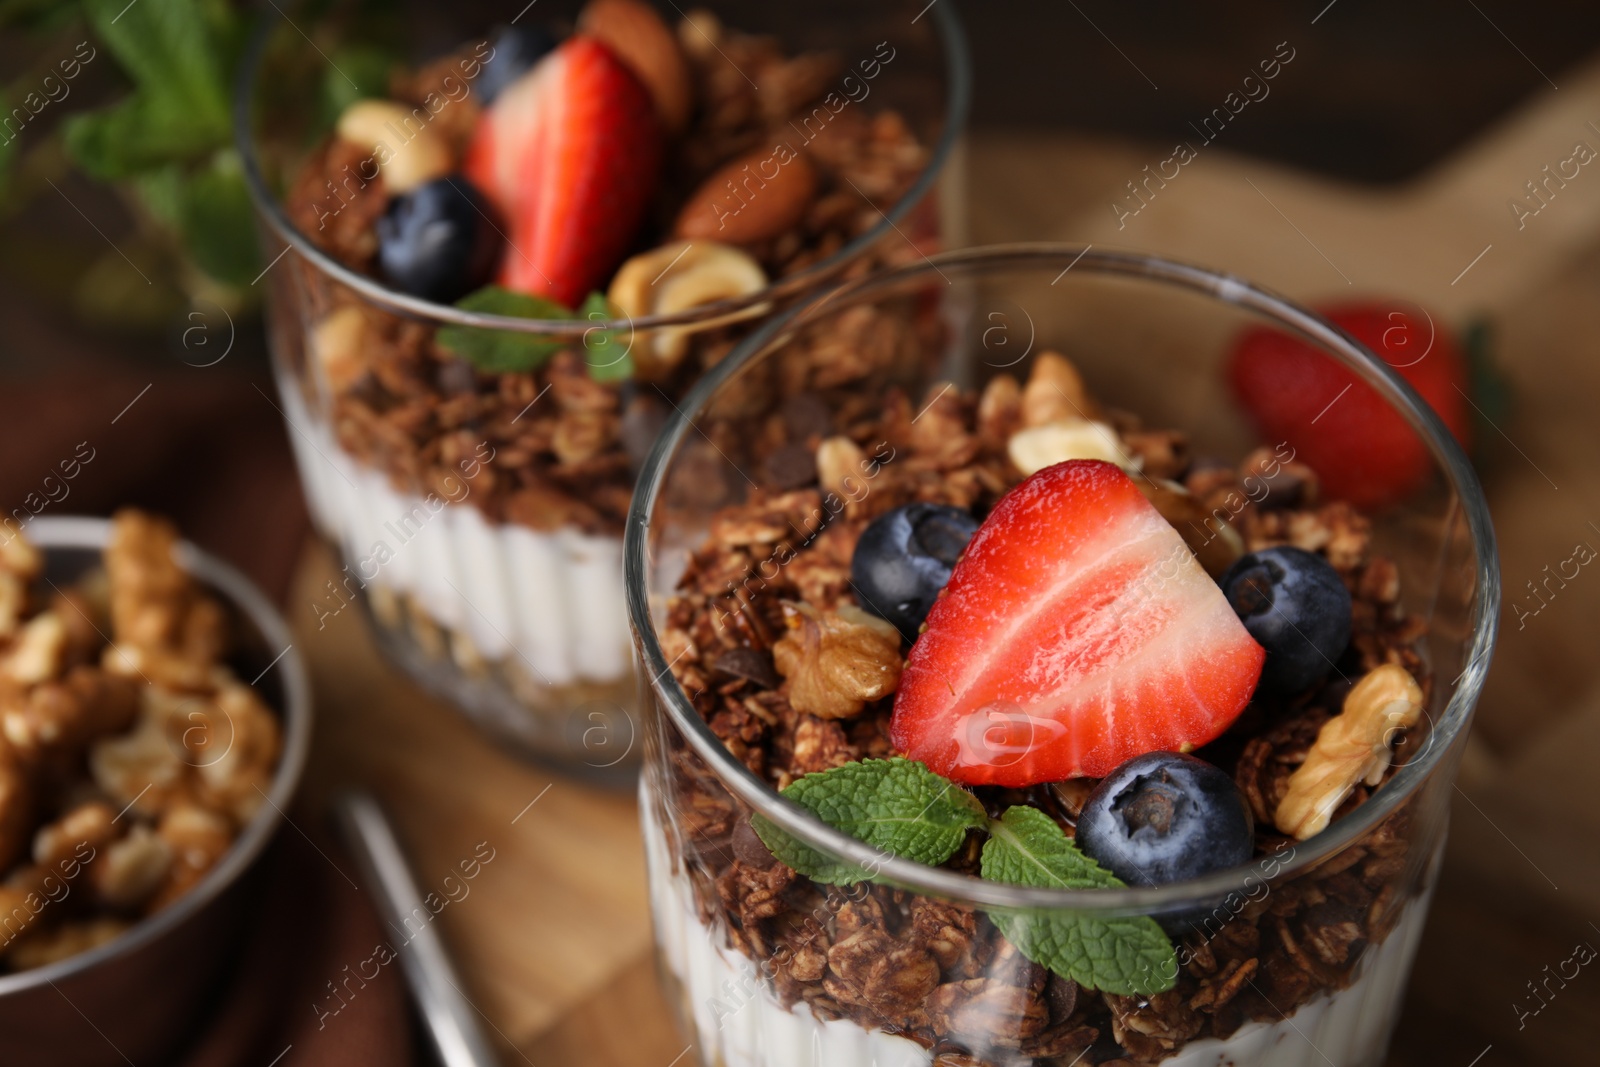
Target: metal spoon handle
451 1020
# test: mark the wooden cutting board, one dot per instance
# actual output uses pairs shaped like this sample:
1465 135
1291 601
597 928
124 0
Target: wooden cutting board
553 939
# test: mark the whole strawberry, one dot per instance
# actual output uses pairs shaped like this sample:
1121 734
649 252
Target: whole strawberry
569 154
1360 447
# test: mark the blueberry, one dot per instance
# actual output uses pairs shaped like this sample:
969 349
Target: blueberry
1164 817
516 50
904 558
1297 608
436 241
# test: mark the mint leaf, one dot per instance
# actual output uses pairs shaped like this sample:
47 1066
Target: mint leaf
210 209
176 54
896 805
498 351
171 136
817 866
1128 956
501 351
607 351
217 221
136 135
171 50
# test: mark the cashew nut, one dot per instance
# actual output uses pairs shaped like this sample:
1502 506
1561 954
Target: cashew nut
408 152
677 277
1037 447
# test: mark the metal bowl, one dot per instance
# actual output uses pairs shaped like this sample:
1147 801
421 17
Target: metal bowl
135 998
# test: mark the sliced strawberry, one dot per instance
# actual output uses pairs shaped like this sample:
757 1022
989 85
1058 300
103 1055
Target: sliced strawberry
1361 449
1076 632
569 154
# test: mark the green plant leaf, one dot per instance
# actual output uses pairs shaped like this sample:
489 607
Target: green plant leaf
217 221
177 59
139 134
209 208
1129 956
605 351
503 351
896 805
817 866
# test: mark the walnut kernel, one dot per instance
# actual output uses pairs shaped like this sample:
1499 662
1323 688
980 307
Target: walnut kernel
837 661
1351 747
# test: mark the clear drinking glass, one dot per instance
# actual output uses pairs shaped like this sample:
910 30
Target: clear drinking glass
479 519
1299 958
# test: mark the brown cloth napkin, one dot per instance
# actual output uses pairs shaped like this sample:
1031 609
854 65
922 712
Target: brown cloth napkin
207 447
313 934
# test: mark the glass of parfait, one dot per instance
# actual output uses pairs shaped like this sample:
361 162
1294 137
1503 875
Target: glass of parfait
1065 713
501 254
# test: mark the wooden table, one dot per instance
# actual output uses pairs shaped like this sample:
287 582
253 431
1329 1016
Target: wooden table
554 939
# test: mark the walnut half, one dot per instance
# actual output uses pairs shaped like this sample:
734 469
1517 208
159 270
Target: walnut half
837 661
1351 747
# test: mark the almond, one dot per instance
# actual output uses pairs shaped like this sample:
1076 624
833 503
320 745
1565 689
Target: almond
642 40
757 196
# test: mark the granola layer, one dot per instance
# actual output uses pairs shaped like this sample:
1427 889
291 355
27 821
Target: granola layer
722 997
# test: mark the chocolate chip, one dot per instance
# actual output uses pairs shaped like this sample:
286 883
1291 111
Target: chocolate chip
642 421
749 849
805 415
456 376
1062 995
1294 486
790 467
751 664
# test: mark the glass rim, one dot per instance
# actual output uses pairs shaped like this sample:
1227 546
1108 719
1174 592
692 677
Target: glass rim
54 532
939 882
958 98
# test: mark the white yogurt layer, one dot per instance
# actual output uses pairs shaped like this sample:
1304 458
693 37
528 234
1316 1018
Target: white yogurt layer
739 1023
553 600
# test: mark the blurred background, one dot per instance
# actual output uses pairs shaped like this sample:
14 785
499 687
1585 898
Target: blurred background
1389 153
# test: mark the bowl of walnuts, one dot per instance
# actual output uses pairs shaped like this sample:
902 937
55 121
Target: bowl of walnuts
154 721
